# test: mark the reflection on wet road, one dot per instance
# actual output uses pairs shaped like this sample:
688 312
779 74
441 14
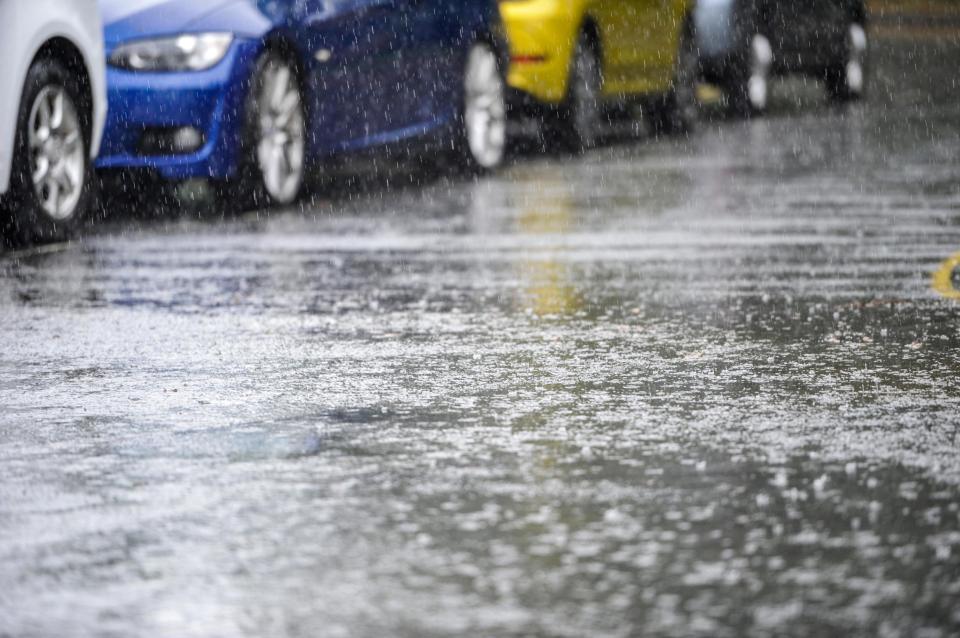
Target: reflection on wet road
705 387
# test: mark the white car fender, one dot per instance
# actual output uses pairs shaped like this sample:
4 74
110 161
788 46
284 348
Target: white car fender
25 28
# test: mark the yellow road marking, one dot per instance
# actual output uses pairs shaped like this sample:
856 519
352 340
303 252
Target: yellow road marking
942 280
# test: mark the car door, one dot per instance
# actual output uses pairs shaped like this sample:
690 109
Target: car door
431 59
640 40
353 49
665 28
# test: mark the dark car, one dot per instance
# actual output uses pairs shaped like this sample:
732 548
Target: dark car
743 43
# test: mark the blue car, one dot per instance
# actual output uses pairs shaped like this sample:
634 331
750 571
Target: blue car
251 93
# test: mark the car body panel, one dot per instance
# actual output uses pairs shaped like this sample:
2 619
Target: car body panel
375 72
126 20
638 41
814 35
806 35
24 30
142 101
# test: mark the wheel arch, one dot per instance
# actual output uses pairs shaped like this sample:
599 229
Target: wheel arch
488 36
285 46
755 15
858 11
590 28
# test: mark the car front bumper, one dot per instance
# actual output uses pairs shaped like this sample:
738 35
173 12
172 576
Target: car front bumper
150 112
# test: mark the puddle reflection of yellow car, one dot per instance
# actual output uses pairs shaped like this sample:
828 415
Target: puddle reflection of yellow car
577 61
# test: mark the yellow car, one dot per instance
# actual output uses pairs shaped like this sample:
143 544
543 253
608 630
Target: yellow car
584 58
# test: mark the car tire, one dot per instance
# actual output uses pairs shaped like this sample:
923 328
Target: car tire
272 164
678 111
51 188
748 92
482 125
577 127
846 80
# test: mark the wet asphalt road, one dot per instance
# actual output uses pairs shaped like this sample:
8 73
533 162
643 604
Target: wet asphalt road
703 387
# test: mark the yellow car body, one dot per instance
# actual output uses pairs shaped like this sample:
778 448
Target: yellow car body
639 41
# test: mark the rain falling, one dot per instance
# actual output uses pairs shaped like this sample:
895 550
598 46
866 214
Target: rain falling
557 318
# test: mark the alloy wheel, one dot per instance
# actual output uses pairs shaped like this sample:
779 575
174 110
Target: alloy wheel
57 158
758 83
282 135
856 58
485 113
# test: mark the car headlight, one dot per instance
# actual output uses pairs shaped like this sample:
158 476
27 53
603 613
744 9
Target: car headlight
187 52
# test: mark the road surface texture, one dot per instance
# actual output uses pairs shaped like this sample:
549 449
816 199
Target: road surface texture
669 388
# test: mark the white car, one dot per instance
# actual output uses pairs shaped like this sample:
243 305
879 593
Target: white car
52 109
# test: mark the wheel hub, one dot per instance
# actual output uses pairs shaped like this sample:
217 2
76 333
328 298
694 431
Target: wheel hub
761 59
57 162
281 149
486 112
856 52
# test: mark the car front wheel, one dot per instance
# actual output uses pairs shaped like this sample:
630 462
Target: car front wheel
50 189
